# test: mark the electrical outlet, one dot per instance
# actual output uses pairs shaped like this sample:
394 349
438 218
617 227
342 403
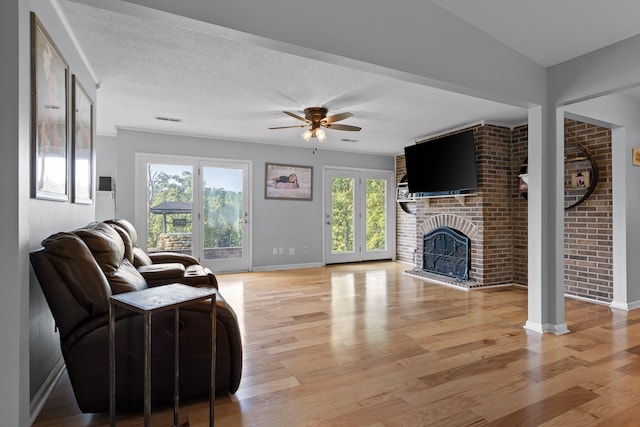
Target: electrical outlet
292 251
281 251
275 251
305 250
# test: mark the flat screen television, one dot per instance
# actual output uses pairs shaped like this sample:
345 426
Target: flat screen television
442 166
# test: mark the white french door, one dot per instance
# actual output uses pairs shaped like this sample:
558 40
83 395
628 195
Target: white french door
224 216
194 206
358 215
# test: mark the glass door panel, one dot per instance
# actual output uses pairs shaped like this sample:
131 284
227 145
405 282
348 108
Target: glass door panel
225 216
342 213
359 206
342 232
196 207
169 217
376 215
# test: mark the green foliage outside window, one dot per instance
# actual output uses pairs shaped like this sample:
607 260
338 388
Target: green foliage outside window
222 209
164 187
376 216
342 213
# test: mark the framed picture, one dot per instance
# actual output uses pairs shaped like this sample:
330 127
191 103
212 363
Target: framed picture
635 156
82 143
288 182
581 179
49 148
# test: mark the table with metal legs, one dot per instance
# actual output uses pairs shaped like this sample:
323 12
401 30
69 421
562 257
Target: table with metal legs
148 302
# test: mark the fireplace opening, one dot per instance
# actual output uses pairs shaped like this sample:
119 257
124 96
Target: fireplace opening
446 251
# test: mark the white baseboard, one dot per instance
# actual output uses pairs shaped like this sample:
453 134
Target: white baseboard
590 300
628 306
42 395
287 266
543 328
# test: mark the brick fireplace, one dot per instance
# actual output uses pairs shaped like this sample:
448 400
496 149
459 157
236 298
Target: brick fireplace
484 217
495 219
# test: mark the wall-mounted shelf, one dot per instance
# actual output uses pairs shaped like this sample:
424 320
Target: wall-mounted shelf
580 176
406 199
461 198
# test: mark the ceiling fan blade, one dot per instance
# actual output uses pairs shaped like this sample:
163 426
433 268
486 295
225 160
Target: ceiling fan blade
343 127
338 117
295 116
288 127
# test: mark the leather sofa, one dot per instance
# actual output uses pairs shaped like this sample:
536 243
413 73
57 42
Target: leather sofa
78 271
162 267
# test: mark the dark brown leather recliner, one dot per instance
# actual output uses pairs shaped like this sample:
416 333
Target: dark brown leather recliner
162 267
78 272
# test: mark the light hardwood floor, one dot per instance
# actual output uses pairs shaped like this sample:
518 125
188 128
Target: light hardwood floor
366 345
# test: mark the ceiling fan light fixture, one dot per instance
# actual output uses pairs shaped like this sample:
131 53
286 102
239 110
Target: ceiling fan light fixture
321 135
315 119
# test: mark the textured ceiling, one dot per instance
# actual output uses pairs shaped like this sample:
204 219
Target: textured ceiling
229 90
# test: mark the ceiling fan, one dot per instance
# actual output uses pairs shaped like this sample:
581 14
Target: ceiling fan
315 119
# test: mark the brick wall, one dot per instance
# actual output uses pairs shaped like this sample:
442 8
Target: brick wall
588 232
405 222
519 212
493 150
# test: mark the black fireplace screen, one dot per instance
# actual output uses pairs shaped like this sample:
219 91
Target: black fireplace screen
447 252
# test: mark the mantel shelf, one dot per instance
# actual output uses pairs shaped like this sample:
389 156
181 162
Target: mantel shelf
459 197
426 199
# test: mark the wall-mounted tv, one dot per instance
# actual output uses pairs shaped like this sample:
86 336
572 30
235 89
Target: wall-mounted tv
442 166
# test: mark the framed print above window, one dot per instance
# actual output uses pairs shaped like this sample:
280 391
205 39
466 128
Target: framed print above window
82 143
288 182
49 149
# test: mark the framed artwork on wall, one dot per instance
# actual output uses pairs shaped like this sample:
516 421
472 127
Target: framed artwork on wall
288 182
49 88
635 156
82 143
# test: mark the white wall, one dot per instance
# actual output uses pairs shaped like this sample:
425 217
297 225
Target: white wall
275 223
106 165
14 284
29 345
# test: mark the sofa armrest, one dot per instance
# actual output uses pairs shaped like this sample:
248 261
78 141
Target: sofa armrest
174 272
162 272
171 257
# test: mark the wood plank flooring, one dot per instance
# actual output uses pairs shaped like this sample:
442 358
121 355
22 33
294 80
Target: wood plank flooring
366 345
